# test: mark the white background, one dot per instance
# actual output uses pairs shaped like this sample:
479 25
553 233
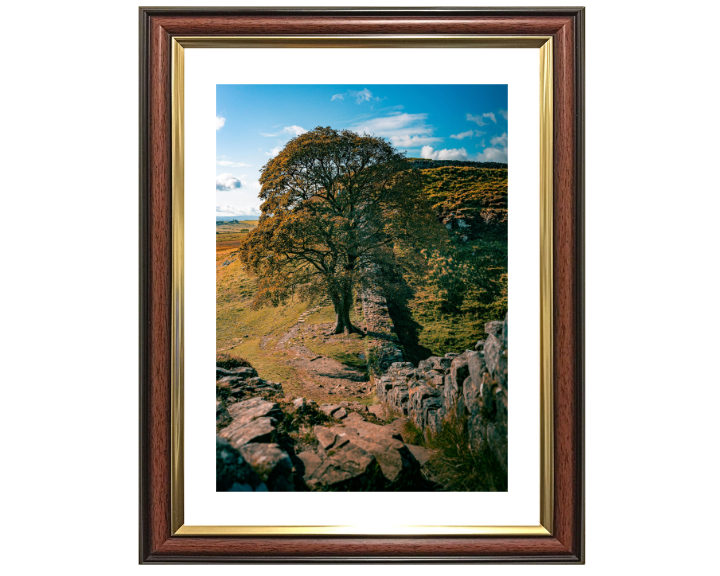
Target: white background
204 68
69 291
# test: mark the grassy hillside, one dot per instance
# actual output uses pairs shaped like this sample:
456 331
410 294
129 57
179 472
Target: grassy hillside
442 303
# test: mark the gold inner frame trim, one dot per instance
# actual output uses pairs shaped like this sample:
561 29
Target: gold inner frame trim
545 45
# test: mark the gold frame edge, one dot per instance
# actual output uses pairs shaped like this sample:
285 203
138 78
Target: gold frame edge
544 43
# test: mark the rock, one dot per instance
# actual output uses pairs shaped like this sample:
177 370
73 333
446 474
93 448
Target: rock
299 404
504 337
257 430
232 473
459 371
494 328
329 408
441 364
340 414
325 436
397 427
311 462
222 416
425 365
244 372
473 384
347 468
397 464
378 410
479 345
271 464
253 408
493 350
353 417
422 455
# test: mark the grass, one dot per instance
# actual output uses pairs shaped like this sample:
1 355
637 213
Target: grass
459 468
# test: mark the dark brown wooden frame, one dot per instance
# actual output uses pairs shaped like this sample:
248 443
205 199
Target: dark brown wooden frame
157 27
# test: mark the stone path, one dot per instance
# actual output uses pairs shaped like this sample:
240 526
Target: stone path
321 377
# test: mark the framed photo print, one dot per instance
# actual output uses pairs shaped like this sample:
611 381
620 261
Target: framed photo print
388 185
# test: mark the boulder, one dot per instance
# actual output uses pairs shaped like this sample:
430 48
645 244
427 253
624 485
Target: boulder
222 416
353 417
271 464
329 408
232 472
397 464
422 455
378 410
257 430
325 436
396 428
310 461
348 468
247 410
244 372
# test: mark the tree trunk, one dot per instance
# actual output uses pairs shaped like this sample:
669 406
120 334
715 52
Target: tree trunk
343 303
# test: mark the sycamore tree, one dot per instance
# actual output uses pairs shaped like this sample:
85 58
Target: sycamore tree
335 205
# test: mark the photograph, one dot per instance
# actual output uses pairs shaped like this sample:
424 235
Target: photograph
361 287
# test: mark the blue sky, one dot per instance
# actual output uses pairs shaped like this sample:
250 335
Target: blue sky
445 122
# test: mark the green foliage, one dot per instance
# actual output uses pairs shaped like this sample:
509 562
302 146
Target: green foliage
459 468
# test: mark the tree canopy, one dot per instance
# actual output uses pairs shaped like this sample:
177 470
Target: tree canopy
334 205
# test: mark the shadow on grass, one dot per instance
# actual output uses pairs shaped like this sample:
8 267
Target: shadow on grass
407 329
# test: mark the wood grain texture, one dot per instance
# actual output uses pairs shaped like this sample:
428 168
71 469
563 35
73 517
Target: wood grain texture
157 27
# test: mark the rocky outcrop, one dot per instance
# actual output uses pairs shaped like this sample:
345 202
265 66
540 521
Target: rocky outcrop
360 455
256 452
471 387
248 455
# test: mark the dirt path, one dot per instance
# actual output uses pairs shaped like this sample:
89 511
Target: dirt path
321 376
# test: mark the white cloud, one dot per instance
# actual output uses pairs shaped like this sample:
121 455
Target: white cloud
403 130
503 113
444 154
227 182
235 210
219 122
231 164
274 152
478 118
294 130
360 96
500 140
462 135
493 154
